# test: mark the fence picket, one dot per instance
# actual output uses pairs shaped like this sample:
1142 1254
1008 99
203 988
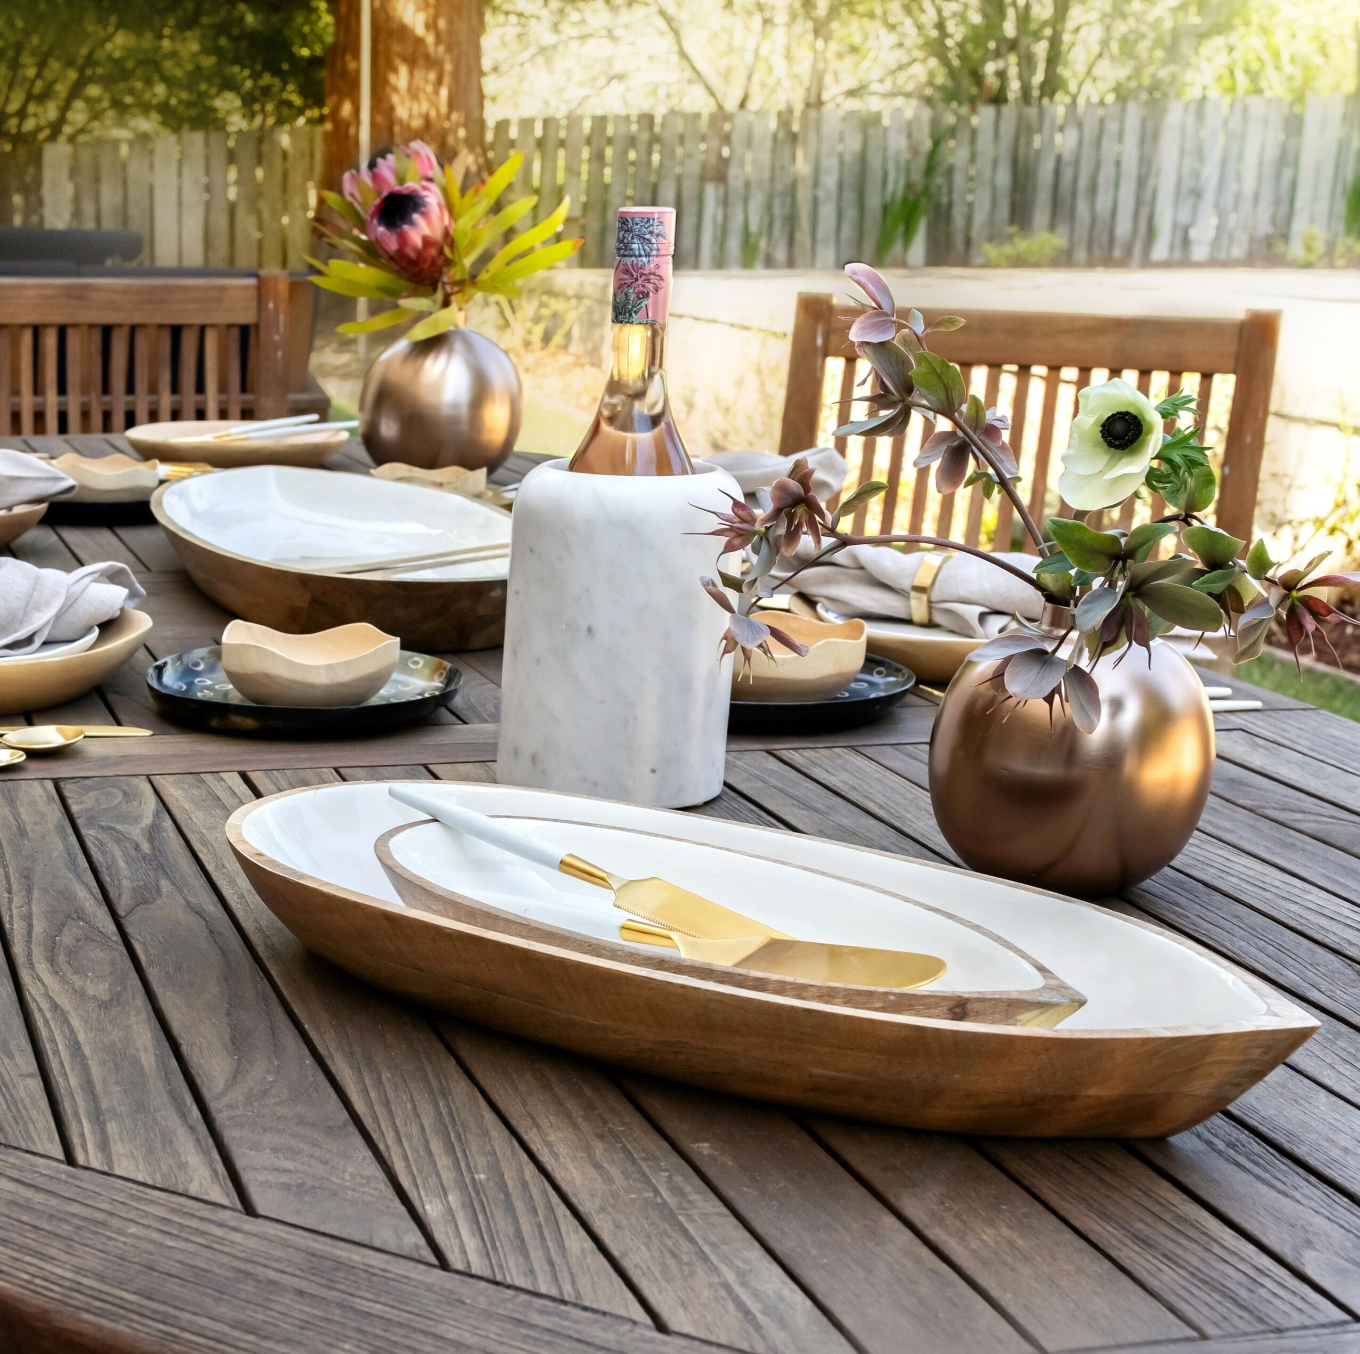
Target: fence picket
1155 181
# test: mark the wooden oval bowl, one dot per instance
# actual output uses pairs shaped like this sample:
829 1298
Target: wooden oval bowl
425 613
39 683
166 441
17 520
1170 1033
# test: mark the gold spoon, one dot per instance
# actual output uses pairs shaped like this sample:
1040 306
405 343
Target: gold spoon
11 757
43 737
89 730
698 928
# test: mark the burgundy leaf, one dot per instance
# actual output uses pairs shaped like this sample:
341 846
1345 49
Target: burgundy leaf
787 640
874 326
1083 699
784 493
1333 581
716 592
935 446
1324 611
871 283
1034 674
1293 626
954 467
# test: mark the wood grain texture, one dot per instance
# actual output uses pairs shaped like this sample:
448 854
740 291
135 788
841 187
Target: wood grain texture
292 1146
1204 1271
484 1204
871 1274
121 1098
699 1270
95 1265
1298 770
1056 1286
25 1115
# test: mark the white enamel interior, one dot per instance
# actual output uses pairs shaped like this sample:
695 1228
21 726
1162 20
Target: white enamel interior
809 906
305 518
1133 978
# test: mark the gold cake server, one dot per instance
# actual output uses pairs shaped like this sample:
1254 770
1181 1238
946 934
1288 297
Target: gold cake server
697 927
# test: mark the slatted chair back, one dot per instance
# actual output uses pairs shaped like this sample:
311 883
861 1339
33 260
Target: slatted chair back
1030 365
99 354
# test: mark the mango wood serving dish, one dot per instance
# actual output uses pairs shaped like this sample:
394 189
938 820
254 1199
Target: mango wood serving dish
436 869
179 442
37 683
1169 1033
343 666
258 542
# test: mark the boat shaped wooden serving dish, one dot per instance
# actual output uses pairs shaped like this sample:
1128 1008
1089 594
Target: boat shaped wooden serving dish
1169 1033
257 541
436 869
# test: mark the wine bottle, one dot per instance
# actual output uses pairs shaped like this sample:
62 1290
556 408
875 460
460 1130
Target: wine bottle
633 432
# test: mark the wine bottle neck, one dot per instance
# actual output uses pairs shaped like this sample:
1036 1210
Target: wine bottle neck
637 353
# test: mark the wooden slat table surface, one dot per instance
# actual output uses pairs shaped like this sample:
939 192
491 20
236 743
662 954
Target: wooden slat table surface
210 1140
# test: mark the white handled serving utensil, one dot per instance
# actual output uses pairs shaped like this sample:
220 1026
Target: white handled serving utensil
698 928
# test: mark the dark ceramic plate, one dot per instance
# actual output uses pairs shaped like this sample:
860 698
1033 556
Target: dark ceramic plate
879 686
192 688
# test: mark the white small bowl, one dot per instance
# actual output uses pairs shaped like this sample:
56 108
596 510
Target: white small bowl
835 654
343 666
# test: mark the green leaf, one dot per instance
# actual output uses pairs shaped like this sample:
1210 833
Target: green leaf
893 367
1175 405
342 206
350 288
1195 492
535 235
434 324
1087 549
975 414
864 494
1259 563
426 303
384 319
1215 548
1142 540
1291 578
1217 581
1179 605
1095 606
478 239
550 254
478 200
1158 570
946 323
1054 564
939 382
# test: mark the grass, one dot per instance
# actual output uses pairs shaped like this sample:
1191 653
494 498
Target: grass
1328 690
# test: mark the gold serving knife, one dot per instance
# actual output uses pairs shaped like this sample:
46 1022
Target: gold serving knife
698 928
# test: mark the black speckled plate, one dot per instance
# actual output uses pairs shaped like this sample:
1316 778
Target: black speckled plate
192 688
879 686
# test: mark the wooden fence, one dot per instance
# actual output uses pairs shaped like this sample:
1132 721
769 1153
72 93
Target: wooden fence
1126 184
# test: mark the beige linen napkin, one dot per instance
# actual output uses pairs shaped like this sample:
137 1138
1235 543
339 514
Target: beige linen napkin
755 471
26 479
46 606
969 596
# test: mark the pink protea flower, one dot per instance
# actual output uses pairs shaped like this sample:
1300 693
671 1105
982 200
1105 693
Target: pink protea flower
410 226
381 173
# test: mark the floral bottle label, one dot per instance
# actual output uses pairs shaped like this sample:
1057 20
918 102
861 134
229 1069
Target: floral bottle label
642 265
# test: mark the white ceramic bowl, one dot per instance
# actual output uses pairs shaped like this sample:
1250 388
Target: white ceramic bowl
342 666
47 652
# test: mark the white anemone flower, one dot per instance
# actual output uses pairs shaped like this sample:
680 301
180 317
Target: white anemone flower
1114 436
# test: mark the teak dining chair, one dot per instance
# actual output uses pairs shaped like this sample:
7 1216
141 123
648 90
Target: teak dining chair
99 354
1016 343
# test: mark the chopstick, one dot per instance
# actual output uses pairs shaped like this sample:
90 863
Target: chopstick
271 427
355 567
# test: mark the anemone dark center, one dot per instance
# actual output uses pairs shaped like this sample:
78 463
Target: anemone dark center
1121 430
399 209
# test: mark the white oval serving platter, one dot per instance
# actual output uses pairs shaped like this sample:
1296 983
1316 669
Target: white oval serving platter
1169 1033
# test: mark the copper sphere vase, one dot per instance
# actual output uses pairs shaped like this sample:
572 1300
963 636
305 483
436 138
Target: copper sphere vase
454 399
1087 814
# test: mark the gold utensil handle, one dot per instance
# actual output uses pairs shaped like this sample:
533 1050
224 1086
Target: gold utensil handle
90 730
647 935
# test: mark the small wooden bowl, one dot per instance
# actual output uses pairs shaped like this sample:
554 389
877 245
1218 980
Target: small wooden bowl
343 666
39 683
835 654
17 520
109 479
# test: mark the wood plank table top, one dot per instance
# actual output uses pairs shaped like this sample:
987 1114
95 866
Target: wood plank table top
211 1140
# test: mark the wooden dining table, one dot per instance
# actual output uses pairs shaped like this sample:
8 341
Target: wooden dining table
211 1140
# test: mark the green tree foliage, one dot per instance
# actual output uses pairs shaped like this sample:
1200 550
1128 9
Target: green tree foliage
73 67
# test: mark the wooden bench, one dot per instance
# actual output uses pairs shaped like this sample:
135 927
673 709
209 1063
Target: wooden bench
100 354
1037 352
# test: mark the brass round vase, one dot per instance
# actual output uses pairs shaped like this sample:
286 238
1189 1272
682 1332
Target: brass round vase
1032 798
454 399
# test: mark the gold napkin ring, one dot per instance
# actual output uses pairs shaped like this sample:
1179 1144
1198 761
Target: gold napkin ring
923 582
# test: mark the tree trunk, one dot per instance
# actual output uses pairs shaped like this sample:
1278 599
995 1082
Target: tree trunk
426 79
